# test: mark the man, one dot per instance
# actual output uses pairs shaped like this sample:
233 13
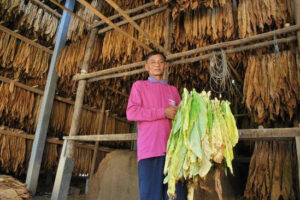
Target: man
153 104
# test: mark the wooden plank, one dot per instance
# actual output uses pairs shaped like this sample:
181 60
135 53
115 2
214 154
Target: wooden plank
47 8
69 11
137 27
101 16
107 137
130 11
24 39
138 71
137 17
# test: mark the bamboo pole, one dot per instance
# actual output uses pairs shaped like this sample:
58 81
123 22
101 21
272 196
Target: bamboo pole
97 142
190 52
101 16
24 39
37 2
136 26
130 11
69 11
80 94
137 17
198 58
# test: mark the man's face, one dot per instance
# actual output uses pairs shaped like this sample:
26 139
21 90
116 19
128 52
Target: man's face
156 65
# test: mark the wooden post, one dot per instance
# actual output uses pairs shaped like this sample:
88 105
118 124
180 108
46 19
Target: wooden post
168 41
80 94
65 166
97 143
297 20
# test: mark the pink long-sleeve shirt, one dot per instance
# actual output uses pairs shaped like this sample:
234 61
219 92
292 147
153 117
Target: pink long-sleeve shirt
146 105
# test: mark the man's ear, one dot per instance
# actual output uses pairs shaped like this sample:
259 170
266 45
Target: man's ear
147 67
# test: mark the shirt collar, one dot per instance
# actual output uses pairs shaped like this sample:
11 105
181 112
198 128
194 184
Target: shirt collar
156 81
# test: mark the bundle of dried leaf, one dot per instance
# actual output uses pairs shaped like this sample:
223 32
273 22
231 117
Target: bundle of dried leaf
270 86
258 16
179 6
11 188
272 171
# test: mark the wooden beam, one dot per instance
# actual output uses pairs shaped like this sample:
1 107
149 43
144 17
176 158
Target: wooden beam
107 137
24 39
137 17
138 71
97 142
244 134
137 27
37 2
235 42
116 91
297 20
72 13
202 49
130 11
108 71
101 16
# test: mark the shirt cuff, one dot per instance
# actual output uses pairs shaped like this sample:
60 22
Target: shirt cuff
161 113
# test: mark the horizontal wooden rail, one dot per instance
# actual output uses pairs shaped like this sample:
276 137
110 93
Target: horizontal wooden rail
244 134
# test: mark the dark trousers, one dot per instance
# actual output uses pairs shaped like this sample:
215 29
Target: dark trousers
151 178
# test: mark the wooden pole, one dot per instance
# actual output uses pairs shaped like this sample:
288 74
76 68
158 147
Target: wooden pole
80 94
136 26
97 142
101 16
198 58
191 52
130 11
137 17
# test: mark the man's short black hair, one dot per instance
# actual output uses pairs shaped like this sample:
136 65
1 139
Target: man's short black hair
152 53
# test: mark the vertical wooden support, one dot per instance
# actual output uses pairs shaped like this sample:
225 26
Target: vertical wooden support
65 167
47 103
297 20
168 42
97 143
80 94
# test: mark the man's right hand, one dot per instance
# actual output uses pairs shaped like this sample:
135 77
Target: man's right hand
170 112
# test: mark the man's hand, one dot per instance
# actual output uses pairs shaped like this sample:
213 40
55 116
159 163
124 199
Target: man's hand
170 112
